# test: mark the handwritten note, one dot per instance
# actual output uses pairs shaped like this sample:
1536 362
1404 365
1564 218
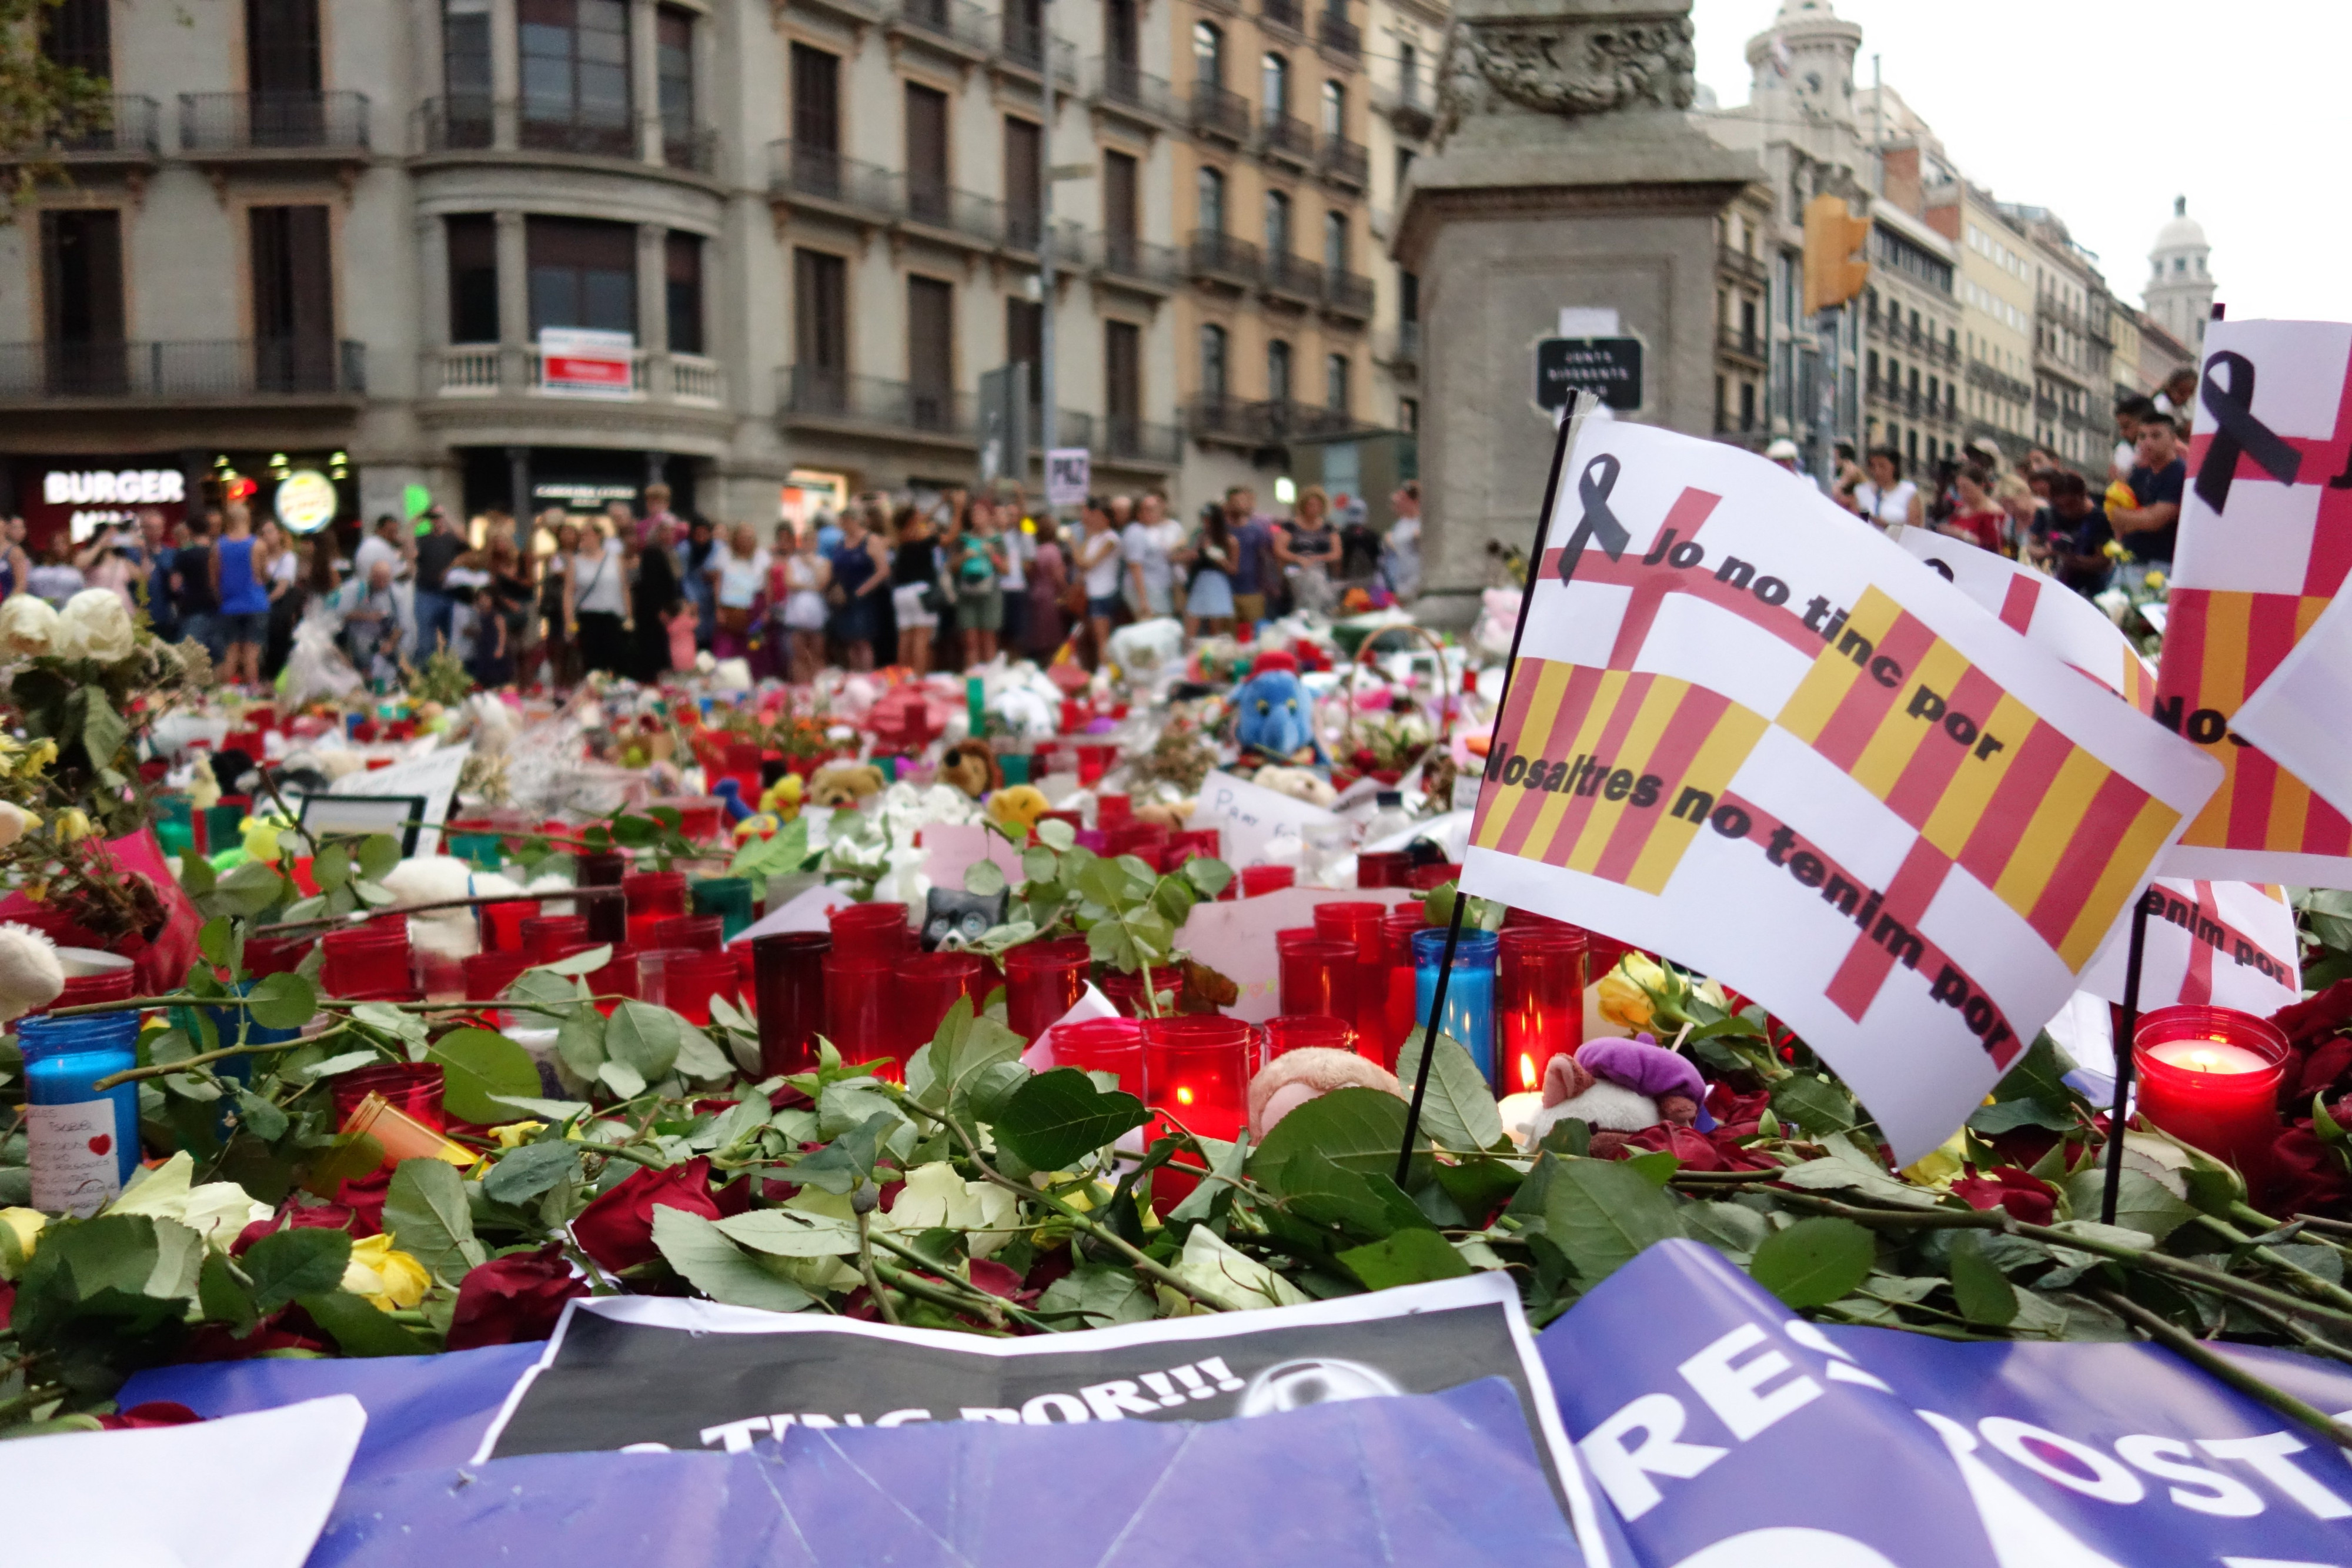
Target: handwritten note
1262 827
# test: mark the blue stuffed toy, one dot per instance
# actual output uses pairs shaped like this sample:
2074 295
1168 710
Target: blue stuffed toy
1273 715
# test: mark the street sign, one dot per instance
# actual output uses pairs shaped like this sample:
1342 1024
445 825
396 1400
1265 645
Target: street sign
1005 421
1609 367
1067 476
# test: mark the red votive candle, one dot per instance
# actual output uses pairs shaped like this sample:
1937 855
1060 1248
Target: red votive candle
927 987
502 925
1112 810
1382 868
1287 1033
618 979
1422 878
1259 879
545 935
1103 1045
1043 981
367 958
2209 1076
1401 990
857 1004
870 930
705 932
488 975
1357 925
275 955
788 982
1196 1071
653 897
412 1088
608 918
1541 995
692 978
1317 977
1094 761
1125 992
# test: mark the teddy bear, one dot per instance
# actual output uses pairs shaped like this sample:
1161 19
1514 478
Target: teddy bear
1295 1077
972 767
1170 814
1299 783
1273 715
1018 807
1618 1087
845 784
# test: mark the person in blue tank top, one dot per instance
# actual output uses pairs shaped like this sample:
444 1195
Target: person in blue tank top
239 584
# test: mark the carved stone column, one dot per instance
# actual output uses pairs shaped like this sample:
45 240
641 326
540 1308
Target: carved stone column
1567 173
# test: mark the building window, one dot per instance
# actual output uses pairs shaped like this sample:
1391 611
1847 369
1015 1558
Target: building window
1211 190
1120 203
466 71
816 102
1746 406
1408 296
575 77
926 152
1120 40
1409 415
473 240
293 298
78 35
819 328
1335 241
1215 381
1408 74
1024 206
1278 371
1277 224
674 78
682 292
1335 382
930 352
1208 53
1024 341
1274 75
282 55
81 276
1123 379
582 274
1335 110
1722 403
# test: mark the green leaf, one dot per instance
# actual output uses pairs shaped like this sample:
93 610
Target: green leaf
2040 1074
1366 1202
984 878
1102 1294
622 1079
334 1066
1834 1175
1214 1198
2142 1203
533 1169
217 940
645 1037
1814 1261
283 1002
285 1264
397 1022
576 964
425 1209
1982 1291
1038 865
1356 1129
478 1064
1060 1117
352 1156
1405 1258
1730 1227
260 1116
791 1233
379 852
848 1159
712 1264
698 1057
1057 835
247 890
1600 1215
221 1297
103 732
580 1041
331 868
1458 1112
2025 1111
358 1329
1209 877
1815 1103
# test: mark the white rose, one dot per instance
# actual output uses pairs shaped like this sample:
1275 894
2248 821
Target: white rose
14 820
30 975
95 625
28 625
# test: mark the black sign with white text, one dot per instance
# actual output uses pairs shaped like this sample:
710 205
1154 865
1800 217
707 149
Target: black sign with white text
1610 366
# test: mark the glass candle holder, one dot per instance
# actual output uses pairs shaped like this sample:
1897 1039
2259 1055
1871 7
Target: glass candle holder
1422 878
857 1009
927 985
275 955
1539 989
402 1135
501 924
1288 1032
1469 1015
652 896
788 988
608 918
1398 985
1317 977
1263 879
545 937
1382 868
366 960
1196 843
727 897
1103 1045
692 978
2209 1076
706 933
1147 841
1113 811
1094 761
1196 1071
1357 923
1125 991
619 979
114 980
488 976
870 930
83 1143
1043 981
412 1088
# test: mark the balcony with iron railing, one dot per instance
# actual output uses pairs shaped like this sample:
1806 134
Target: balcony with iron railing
1128 440
1746 345
1219 112
1288 138
1347 296
1287 15
123 128
1217 256
1122 87
957 27
274 124
1346 162
1125 259
1410 104
1401 348
822 174
275 369
812 394
1292 277
1740 264
1335 33
848 187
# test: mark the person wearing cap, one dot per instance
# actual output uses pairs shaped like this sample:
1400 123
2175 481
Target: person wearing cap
1783 453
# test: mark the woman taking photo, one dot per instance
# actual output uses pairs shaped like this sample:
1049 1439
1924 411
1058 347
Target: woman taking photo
1209 596
1045 623
596 600
914 589
861 569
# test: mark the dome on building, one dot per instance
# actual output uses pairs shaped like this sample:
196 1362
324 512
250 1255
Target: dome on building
2183 233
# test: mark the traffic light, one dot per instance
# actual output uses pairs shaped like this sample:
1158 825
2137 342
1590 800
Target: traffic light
1834 238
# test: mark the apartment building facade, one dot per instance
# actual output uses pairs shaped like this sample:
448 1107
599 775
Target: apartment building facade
333 238
2073 407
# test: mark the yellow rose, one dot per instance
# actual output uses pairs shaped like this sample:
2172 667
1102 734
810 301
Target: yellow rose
1624 1003
2154 580
24 1227
514 1134
73 825
389 1278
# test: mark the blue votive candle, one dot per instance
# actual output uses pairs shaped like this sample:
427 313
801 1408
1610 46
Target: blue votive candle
83 1145
1469 1014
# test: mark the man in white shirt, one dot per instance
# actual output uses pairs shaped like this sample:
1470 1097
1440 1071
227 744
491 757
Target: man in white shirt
381 545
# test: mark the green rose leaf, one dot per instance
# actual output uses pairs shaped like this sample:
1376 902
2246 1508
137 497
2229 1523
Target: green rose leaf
2142 1203
712 1264
1057 835
425 1209
331 868
283 1002
791 1233
530 1170
1356 1129
1060 1117
1600 1215
285 1264
984 878
358 1329
478 1065
1405 1258
1814 1261
222 1299
1096 1295
645 1038
379 852
1458 1112
1981 1290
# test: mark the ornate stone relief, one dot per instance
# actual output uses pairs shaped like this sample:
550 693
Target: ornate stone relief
1569 66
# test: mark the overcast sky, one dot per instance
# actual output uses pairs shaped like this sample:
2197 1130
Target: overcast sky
2105 112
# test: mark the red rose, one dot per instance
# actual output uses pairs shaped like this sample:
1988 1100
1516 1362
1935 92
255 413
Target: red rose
293 1215
2309 1022
509 1300
2029 1199
2305 1176
617 1229
153 1412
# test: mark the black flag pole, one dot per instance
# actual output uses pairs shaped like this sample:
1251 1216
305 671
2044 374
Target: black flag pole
2130 1027
1580 404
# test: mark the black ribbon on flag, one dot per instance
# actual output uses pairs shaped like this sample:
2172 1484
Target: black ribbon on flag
1599 524
2231 404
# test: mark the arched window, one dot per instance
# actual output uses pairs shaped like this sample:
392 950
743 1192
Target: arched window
1277 224
1335 109
1208 53
1274 84
1212 200
1334 240
1278 371
1213 361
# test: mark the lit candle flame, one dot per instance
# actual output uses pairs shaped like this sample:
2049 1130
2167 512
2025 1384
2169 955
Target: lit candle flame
1526 1070
2205 1059
1183 1095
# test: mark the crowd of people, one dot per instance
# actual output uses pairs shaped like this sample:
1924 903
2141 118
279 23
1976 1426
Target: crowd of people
2035 509
942 583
